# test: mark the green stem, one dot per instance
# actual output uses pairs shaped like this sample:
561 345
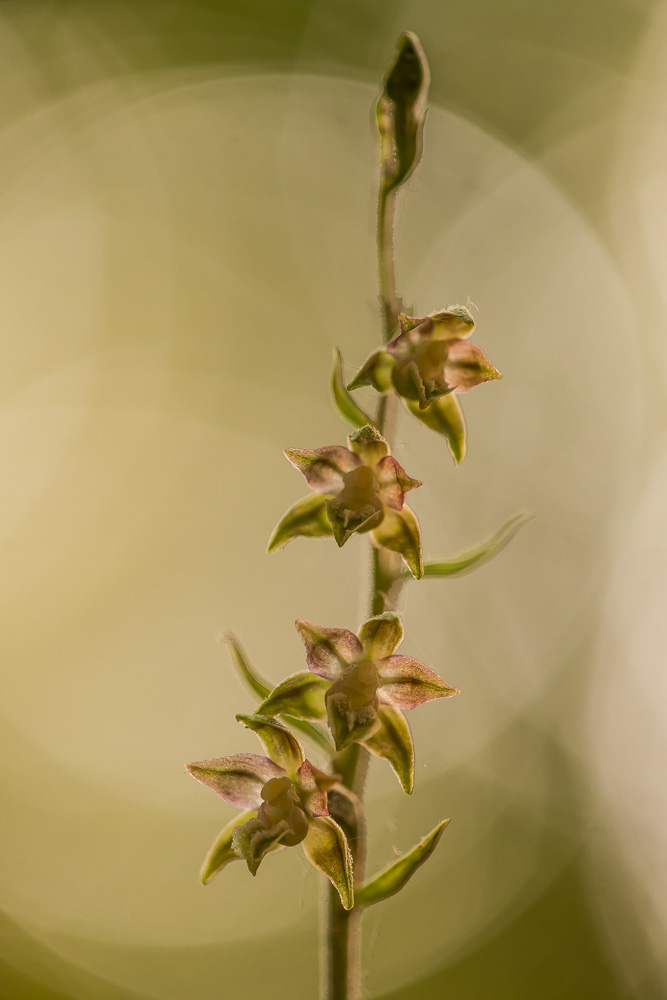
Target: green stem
342 961
389 300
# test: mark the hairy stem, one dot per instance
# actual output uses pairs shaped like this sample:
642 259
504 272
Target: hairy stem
342 962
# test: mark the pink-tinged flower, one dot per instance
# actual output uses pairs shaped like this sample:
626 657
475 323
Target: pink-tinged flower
430 358
284 803
369 685
360 489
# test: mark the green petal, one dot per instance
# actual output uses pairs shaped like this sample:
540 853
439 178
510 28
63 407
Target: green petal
221 852
252 680
393 878
301 695
375 371
327 849
282 747
393 742
369 445
444 416
470 560
381 635
454 322
399 532
346 406
307 518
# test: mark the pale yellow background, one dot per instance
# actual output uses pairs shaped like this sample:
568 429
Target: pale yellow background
186 231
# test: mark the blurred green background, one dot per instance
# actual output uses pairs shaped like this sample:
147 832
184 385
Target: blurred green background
186 230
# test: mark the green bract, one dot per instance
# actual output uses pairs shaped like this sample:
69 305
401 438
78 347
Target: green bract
392 879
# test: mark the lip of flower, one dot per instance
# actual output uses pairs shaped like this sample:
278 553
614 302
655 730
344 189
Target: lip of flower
283 806
359 482
369 681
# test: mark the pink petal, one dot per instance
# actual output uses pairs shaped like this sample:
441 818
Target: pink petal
328 650
394 482
237 779
315 783
323 468
411 335
407 683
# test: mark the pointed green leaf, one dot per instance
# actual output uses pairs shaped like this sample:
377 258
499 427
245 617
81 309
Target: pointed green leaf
282 747
444 416
393 878
468 561
399 532
307 518
250 677
301 695
345 404
222 852
327 849
393 742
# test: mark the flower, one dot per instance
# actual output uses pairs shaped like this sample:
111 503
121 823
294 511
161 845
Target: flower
428 359
366 687
361 489
284 798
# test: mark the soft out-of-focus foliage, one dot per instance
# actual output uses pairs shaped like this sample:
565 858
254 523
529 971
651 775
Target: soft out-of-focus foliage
186 230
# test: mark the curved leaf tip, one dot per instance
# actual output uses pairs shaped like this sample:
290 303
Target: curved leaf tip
392 879
345 404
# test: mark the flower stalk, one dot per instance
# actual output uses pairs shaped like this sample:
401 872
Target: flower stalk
350 702
342 971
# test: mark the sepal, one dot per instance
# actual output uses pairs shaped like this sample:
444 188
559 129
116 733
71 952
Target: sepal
393 743
399 532
307 518
237 779
381 635
408 683
328 650
327 849
222 852
375 371
282 747
301 695
444 416
393 878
